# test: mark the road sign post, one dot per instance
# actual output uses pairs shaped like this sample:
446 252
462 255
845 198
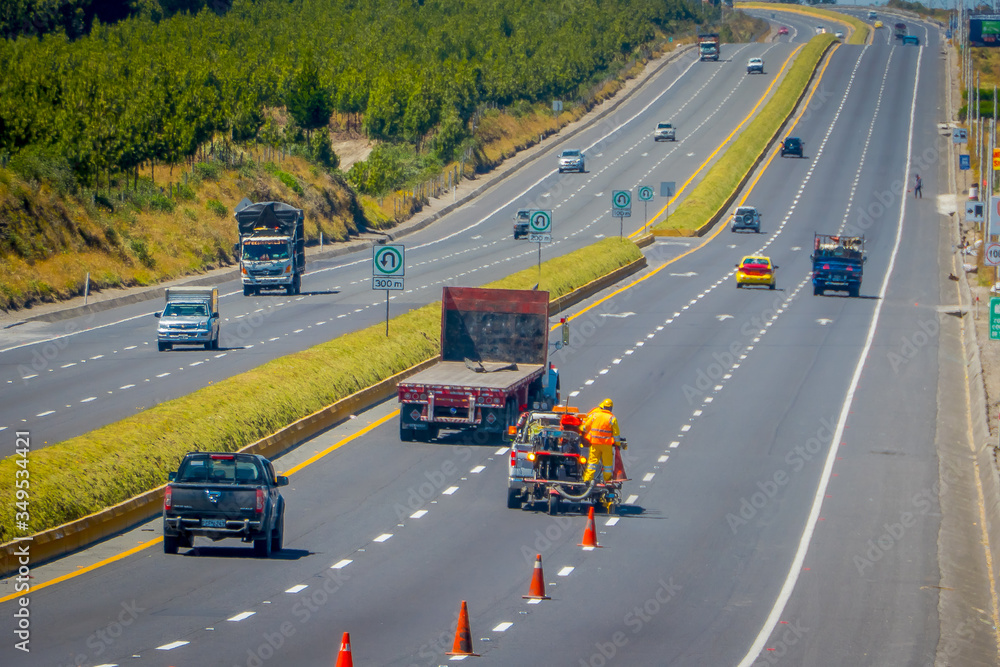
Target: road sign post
668 189
645 196
621 207
540 231
388 269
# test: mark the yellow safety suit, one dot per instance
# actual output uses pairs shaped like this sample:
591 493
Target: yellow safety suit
600 433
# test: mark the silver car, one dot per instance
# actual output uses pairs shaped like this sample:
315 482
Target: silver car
572 160
746 217
664 132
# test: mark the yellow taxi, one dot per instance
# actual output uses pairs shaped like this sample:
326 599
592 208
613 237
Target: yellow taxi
878 24
755 270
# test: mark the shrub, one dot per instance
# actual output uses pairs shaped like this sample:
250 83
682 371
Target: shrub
162 203
217 207
290 181
44 164
208 171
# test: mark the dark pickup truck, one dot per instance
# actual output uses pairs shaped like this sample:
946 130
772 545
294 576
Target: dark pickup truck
217 495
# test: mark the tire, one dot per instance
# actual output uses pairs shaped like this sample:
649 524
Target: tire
772 286
162 346
817 290
215 344
170 544
514 499
209 344
262 547
854 291
739 285
290 289
406 434
247 290
432 432
278 534
553 504
297 284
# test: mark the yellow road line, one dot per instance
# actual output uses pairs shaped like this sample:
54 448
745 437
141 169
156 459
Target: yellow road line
382 420
805 107
720 146
146 545
340 443
718 228
83 570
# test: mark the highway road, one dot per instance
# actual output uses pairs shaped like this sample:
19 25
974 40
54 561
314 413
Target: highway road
783 508
66 378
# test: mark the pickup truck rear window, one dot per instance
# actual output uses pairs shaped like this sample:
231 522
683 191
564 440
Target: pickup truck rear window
212 471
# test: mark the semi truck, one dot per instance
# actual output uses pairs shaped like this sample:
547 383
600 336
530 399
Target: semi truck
271 246
708 46
190 317
493 364
838 263
899 30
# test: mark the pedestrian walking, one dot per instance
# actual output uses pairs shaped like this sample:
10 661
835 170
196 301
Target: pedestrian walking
918 187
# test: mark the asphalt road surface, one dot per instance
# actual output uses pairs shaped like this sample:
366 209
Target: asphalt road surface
782 508
66 378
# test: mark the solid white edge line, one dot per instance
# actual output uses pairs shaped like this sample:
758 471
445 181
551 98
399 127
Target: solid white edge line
800 555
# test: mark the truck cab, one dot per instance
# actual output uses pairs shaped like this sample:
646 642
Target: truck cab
708 46
190 317
271 247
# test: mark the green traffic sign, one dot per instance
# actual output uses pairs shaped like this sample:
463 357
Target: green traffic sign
621 199
387 260
995 318
540 222
645 193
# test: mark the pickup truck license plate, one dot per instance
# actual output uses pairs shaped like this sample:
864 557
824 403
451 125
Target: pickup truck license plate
213 523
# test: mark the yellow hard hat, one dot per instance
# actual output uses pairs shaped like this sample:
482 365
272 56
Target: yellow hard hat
607 404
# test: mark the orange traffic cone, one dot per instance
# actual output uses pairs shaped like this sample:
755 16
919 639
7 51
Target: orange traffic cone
590 532
344 658
618 472
463 635
537 589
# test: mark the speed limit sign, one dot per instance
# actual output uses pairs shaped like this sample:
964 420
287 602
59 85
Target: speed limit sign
992 254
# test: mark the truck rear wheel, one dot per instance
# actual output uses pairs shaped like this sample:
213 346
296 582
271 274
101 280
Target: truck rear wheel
406 434
553 504
278 534
170 544
262 547
165 346
817 290
854 291
514 499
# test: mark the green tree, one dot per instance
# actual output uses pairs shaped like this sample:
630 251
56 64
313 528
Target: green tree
308 100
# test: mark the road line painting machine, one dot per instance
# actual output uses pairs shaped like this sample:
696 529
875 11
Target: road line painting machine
548 460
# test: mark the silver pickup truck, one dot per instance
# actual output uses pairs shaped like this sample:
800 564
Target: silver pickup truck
220 495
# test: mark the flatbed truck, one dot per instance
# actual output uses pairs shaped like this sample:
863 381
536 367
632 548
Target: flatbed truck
493 364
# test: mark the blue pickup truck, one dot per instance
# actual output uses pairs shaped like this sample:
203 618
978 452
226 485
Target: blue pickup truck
838 263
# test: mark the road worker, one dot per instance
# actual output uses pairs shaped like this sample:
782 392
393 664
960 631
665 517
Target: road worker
600 433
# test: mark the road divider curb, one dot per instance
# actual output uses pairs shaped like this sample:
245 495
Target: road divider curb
721 212
80 533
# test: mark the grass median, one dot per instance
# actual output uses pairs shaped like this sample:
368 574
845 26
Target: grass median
111 464
859 29
711 195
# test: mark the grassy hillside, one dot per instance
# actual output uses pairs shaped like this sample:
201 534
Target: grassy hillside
161 221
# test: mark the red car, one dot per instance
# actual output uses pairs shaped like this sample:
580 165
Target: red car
782 30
